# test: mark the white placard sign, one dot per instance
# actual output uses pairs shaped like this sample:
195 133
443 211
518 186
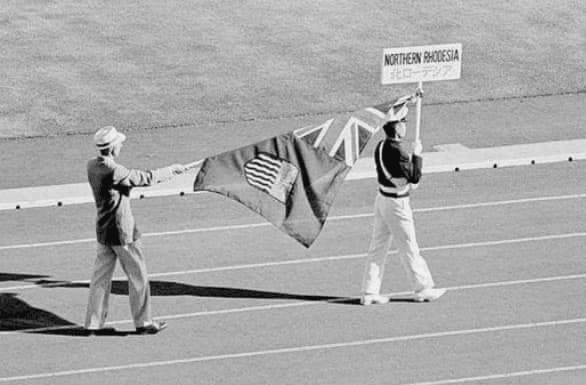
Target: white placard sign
422 64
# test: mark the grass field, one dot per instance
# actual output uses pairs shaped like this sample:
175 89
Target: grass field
71 66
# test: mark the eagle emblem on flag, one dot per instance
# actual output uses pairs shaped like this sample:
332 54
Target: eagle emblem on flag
271 175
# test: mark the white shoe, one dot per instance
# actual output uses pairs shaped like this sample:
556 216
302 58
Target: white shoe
374 299
428 295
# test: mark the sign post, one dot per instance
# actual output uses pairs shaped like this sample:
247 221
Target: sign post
419 64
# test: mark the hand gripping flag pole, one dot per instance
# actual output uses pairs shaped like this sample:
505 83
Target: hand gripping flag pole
418 119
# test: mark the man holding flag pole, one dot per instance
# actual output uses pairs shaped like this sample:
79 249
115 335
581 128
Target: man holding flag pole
398 172
118 237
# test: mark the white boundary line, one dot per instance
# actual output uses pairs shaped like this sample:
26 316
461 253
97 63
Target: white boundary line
504 375
332 218
316 260
294 349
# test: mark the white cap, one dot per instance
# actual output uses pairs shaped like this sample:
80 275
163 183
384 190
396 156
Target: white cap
107 137
397 112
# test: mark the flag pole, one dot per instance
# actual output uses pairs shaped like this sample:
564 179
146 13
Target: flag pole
418 119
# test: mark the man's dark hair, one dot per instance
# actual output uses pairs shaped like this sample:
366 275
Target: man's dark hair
389 128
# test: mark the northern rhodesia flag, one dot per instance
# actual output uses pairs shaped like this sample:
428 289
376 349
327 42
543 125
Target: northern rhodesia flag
291 180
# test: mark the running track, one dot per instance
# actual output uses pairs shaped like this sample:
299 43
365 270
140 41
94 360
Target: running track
247 305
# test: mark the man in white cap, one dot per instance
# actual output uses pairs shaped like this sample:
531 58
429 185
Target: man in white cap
117 235
397 171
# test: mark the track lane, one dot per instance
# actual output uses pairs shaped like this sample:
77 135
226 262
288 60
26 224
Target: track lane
306 323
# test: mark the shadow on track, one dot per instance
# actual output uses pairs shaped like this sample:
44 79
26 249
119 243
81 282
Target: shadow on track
19 277
166 288
17 315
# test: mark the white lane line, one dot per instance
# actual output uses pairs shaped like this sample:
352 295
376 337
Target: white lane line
505 241
505 202
201 271
294 349
310 303
47 244
502 376
332 218
345 299
314 260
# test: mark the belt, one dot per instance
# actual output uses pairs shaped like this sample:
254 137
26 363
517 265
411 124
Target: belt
393 195
394 192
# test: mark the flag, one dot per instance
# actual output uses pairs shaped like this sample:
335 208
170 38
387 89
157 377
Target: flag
284 179
292 179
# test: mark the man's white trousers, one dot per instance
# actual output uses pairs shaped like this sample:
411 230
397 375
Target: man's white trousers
133 264
393 224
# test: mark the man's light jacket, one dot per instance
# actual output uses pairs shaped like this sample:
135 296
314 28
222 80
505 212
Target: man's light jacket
111 184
